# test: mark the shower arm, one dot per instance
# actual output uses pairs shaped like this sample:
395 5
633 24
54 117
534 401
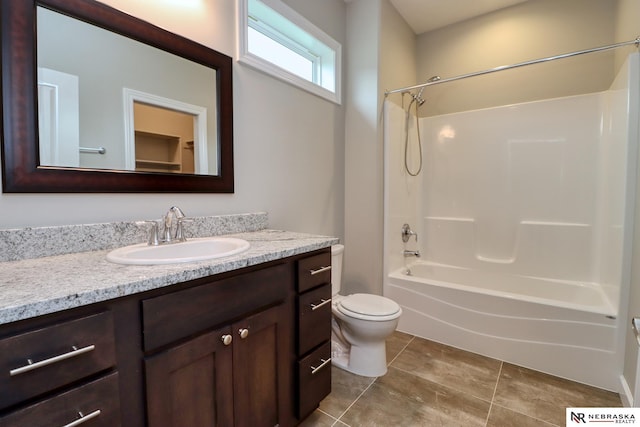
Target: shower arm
635 42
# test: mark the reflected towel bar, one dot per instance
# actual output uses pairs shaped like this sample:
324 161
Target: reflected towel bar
98 150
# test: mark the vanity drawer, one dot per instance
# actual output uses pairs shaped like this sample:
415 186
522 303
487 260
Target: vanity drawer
97 401
314 318
184 313
45 359
314 271
314 379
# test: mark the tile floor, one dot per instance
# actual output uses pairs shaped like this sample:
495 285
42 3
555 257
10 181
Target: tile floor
430 384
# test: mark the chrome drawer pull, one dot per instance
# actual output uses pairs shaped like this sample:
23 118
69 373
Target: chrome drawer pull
320 270
323 301
314 370
83 418
32 366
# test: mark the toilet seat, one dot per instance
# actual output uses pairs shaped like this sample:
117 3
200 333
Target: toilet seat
369 307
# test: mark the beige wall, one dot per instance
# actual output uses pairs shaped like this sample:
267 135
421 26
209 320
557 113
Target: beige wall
530 30
363 154
288 148
380 56
627 26
397 52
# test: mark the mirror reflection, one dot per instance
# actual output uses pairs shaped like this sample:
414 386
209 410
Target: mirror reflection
163 139
110 102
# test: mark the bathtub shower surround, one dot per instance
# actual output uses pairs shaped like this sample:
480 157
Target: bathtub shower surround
524 215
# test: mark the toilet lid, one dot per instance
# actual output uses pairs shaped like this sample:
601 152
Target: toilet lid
369 305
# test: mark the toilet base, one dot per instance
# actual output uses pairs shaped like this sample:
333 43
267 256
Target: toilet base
367 362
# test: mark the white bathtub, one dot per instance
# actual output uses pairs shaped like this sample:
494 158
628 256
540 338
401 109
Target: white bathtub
560 327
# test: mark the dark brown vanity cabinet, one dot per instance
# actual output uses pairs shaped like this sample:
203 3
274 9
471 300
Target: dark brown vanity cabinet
236 374
314 331
242 348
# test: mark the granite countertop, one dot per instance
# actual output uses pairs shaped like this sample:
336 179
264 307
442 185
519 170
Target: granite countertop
33 287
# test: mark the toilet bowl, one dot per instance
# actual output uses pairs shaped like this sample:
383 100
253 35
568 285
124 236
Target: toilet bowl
360 325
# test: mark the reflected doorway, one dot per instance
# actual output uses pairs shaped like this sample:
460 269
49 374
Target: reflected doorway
164 135
163 140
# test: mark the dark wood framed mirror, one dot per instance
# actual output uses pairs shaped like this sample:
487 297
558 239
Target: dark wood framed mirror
23 168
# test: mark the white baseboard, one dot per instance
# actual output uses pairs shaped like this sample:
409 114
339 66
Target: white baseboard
625 393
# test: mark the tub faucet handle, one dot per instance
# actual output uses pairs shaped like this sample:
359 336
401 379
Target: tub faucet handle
407 233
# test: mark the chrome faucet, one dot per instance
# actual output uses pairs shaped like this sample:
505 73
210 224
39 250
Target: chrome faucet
178 236
407 253
407 233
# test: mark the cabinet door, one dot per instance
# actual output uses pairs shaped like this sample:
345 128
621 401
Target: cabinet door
261 369
191 384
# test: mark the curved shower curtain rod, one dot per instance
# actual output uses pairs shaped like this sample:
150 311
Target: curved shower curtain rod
636 41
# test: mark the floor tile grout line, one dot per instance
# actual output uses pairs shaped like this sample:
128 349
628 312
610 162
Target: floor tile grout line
339 419
327 414
546 423
356 399
446 386
493 396
401 351
493 405
339 423
335 420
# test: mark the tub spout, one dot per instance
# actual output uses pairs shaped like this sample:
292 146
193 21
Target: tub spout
411 253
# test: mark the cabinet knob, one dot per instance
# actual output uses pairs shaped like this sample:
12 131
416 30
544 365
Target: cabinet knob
226 339
243 333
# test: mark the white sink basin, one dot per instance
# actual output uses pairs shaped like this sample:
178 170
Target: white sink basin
197 249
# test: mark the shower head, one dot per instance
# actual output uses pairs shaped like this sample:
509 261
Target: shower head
418 98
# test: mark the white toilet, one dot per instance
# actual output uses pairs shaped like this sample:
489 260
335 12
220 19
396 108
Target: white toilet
361 323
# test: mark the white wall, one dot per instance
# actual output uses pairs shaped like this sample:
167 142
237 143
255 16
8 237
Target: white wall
288 143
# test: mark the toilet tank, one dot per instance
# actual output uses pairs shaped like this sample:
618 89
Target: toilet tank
336 268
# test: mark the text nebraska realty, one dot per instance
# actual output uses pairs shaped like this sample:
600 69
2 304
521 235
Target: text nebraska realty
579 417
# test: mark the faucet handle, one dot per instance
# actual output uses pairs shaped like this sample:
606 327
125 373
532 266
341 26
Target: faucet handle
180 237
153 240
407 232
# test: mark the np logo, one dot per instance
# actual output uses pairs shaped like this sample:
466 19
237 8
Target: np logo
578 417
